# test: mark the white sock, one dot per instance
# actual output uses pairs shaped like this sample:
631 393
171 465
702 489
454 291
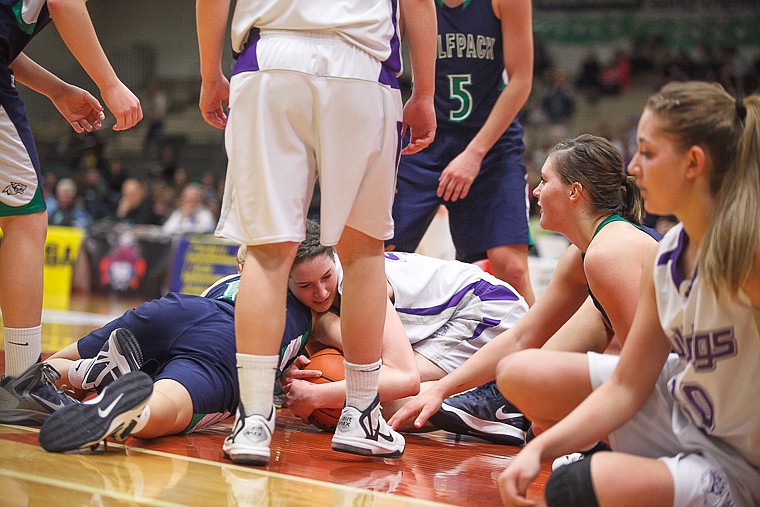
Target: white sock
361 383
256 376
22 348
77 371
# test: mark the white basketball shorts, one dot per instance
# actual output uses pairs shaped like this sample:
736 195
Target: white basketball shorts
314 108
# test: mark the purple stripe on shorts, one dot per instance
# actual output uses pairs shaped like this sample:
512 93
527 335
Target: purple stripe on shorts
489 292
482 289
434 310
483 326
246 60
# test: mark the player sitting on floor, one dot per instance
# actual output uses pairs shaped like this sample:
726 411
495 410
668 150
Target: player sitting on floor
586 196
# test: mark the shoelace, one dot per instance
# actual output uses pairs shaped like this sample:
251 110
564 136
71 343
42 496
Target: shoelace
52 375
486 391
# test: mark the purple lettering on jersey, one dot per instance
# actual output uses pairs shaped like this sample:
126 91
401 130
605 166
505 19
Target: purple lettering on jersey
701 405
706 348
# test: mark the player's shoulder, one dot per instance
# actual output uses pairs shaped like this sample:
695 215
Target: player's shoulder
224 288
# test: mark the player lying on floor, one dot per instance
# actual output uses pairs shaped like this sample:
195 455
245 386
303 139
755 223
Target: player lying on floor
448 310
194 380
187 344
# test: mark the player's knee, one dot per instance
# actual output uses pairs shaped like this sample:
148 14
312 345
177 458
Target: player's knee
515 369
571 486
511 270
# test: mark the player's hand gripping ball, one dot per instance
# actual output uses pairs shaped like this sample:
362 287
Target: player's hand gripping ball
330 362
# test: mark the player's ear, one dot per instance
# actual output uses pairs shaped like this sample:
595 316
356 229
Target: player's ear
575 191
696 161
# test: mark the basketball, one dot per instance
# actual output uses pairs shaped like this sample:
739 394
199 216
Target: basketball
330 362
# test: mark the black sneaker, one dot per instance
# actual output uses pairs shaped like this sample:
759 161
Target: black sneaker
112 412
119 355
32 396
482 412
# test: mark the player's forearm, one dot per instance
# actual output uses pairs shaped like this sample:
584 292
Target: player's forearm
392 385
75 27
420 33
477 370
36 77
211 22
505 110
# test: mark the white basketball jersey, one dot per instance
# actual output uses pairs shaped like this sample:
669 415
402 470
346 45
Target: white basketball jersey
429 292
368 24
717 339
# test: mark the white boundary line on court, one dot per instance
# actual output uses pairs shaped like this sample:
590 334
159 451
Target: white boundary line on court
396 499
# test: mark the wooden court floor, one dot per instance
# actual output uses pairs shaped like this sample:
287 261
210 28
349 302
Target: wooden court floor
437 468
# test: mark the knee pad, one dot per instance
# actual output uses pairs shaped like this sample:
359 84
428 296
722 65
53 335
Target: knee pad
571 486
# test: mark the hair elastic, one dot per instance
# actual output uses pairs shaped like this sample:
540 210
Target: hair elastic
740 109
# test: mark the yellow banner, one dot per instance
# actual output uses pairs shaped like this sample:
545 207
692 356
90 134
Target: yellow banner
61 252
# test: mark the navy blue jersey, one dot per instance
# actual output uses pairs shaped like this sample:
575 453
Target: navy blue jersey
20 21
470 64
297 320
191 340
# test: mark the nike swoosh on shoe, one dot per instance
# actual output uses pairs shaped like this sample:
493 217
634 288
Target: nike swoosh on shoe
502 415
104 412
47 403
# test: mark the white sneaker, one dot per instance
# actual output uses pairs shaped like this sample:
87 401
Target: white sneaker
366 433
250 439
567 459
121 354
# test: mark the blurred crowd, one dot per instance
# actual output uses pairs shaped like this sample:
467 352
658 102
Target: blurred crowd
98 188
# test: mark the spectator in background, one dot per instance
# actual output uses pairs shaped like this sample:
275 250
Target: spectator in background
210 189
48 190
95 194
589 79
622 65
156 109
191 215
115 177
164 197
167 163
69 211
558 101
135 206
180 179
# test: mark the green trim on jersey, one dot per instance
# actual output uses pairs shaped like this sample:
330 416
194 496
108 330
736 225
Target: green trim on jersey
464 5
610 219
35 205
